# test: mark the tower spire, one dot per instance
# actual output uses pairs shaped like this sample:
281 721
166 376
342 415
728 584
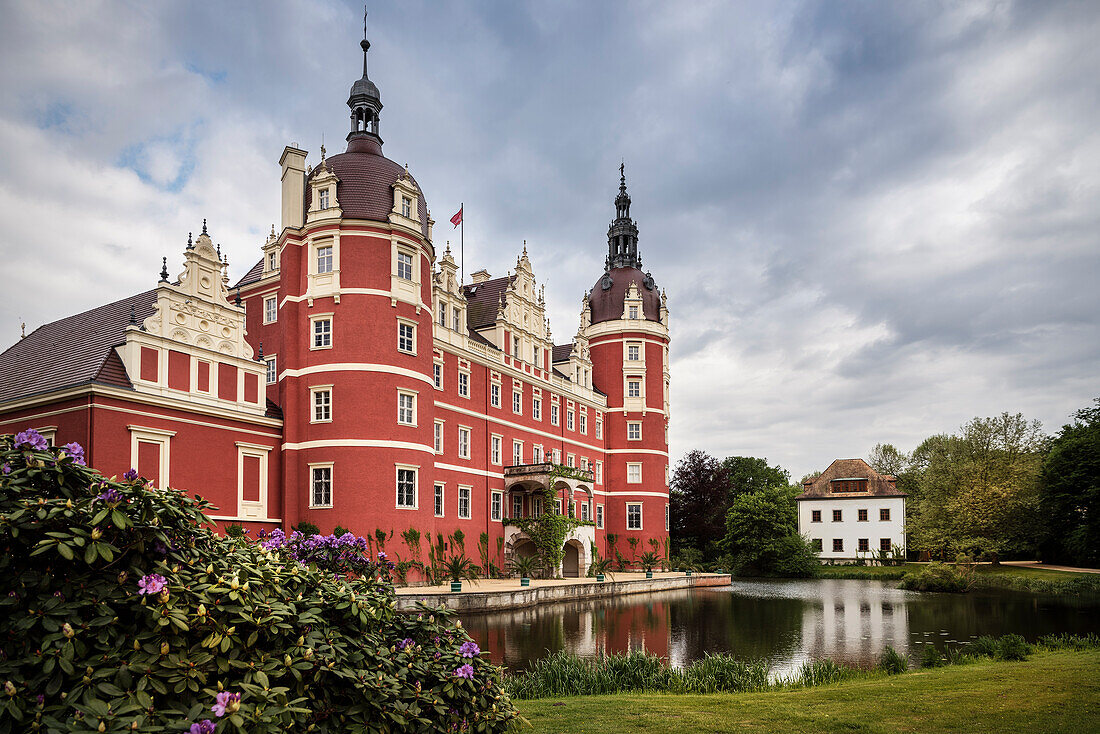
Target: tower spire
365 103
622 235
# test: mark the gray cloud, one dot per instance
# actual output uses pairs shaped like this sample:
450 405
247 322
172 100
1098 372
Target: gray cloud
874 221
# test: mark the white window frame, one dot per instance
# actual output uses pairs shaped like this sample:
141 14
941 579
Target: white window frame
438 435
253 509
314 391
517 453
599 516
456 318
631 433
404 266
406 207
632 312
667 517
313 334
403 324
437 375
633 352
313 468
443 314
584 511
271 309
599 427
327 259
494 394
464 439
629 505
495 442
536 408
633 387
271 370
398 468
139 434
571 461
583 424
597 471
555 414
570 420
496 505
409 398
464 384
517 402
468 492
439 499
536 454
322 199
273 261
557 456
634 468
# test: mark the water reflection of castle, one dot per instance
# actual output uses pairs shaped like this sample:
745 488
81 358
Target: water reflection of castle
853 623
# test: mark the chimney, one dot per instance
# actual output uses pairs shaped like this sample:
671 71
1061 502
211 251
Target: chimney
293 162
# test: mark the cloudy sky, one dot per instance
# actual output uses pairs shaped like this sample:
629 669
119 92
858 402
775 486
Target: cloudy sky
874 221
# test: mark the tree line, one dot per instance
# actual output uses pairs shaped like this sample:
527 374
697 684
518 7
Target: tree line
998 487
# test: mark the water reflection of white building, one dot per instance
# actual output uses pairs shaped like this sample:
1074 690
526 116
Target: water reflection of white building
854 622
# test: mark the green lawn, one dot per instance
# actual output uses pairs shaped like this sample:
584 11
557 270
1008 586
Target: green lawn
1031 573
1051 692
891 572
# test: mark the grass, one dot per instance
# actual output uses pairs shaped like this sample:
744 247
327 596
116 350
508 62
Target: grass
988 576
1053 691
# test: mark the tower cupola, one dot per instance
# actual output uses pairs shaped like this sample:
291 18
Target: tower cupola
365 101
622 235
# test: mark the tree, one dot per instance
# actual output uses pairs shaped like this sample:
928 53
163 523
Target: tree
762 535
748 474
885 458
1069 492
698 500
977 492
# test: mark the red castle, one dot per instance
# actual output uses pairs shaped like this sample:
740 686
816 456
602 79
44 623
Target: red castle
350 379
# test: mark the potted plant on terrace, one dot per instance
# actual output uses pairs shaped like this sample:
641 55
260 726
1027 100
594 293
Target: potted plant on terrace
524 566
458 568
649 560
599 567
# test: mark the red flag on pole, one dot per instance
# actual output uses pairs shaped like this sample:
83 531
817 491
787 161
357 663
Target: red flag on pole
457 218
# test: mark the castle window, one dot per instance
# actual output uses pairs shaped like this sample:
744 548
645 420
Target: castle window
838 516
437 371
324 259
570 460
634 431
634 516
557 456
536 408
517 453
634 352
321 486
634 473
884 544
515 347
496 510
464 443
494 395
633 388
439 500
861 515
838 545
584 424
456 316
404 266
536 454
584 511
599 428
464 503
569 419
815 516
517 403
597 471
666 518
271 309
406 409
406 338
517 505
443 314
322 332
553 414
406 207
495 450
464 384
884 514
323 203
633 312
864 545
322 404
272 373
406 487
439 437
272 261
599 516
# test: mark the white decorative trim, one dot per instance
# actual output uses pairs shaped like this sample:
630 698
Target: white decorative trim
500 421
357 443
253 509
636 451
357 367
470 470
162 439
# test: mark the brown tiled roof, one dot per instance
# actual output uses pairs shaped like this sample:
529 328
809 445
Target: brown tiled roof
483 300
608 305
252 275
72 351
366 180
561 352
878 485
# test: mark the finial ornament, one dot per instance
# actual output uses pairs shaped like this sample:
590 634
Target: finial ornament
237 300
219 252
23 330
164 268
204 227
190 245
260 358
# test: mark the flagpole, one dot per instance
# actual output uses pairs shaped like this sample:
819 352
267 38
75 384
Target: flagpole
462 244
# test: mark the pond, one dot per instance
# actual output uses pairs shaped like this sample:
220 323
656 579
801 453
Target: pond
783 622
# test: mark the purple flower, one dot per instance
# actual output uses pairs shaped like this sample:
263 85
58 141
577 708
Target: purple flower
405 643
112 496
159 547
130 475
41 699
7 468
206 726
152 583
437 656
469 650
382 556
76 451
466 671
31 439
226 702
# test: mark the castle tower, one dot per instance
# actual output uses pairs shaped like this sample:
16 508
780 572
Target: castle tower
342 306
626 328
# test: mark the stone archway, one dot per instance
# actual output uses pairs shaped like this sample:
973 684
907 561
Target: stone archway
571 561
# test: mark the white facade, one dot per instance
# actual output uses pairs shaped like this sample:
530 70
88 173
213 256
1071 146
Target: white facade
849 530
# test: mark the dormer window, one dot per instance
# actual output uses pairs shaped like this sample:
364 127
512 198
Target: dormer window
442 314
457 315
272 261
633 312
323 199
406 207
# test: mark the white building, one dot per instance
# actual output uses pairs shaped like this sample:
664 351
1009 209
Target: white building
852 511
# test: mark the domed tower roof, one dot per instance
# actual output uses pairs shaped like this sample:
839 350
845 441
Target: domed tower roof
366 177
607 299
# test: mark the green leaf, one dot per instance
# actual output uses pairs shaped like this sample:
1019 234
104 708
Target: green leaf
65 551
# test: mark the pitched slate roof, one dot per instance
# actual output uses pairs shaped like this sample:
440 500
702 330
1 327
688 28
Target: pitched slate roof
878 485
252 275
483 300
561 352
72 351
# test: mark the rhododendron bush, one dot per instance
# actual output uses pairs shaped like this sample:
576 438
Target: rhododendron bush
121 611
